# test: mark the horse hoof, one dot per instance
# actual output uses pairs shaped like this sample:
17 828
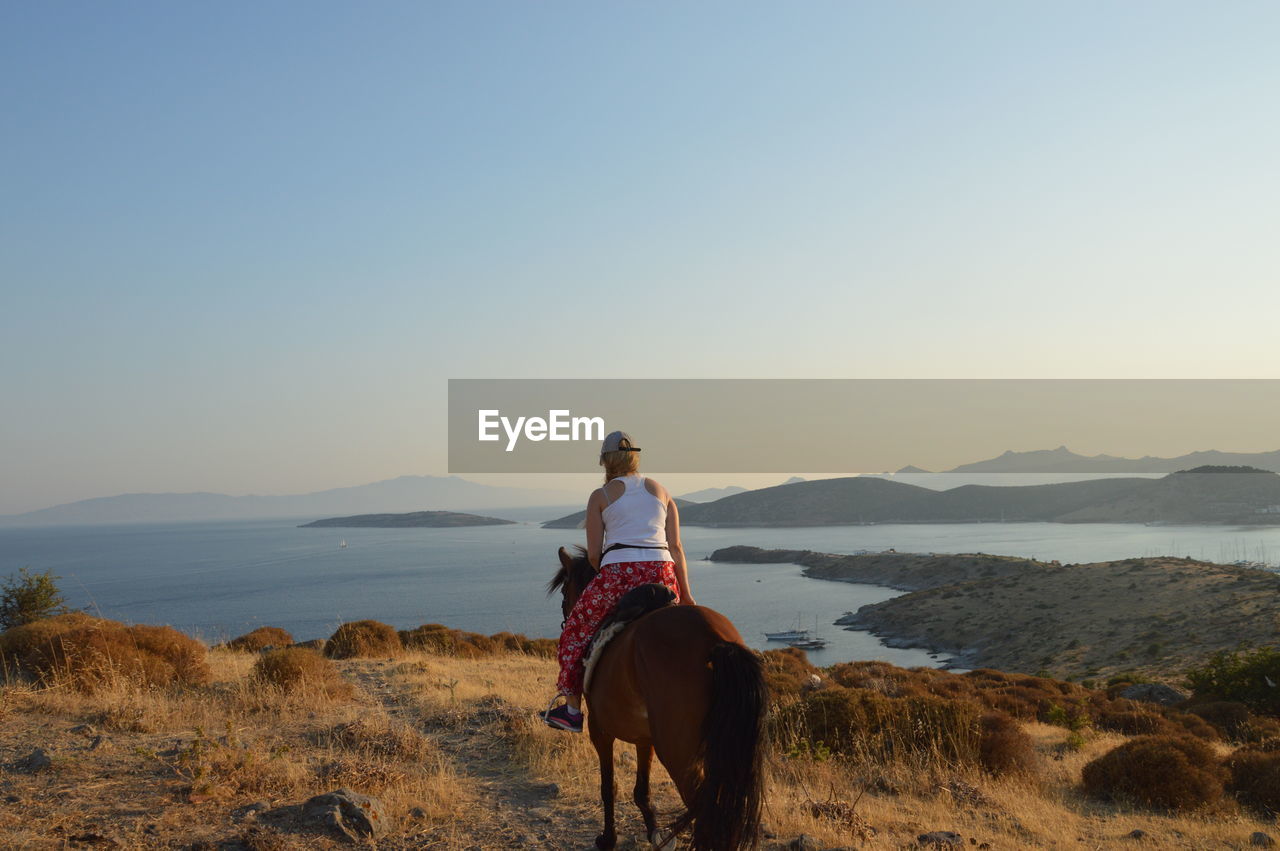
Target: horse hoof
606 841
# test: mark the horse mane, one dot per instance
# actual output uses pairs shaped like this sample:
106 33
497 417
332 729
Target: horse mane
579 570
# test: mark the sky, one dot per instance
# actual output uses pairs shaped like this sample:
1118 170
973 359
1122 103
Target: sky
244 246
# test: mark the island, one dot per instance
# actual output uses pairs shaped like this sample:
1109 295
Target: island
426 519
1157 616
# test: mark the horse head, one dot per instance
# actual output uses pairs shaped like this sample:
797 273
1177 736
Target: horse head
572 577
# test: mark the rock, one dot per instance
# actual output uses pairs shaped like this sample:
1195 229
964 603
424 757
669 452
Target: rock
1154 693
551 790
37 760
804 842
1137 833
1261 840
348 813
940 839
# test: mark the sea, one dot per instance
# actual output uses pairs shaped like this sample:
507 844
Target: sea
217 580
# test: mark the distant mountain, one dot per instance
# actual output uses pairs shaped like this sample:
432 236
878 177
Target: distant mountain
794 480
413 519
1201 495
1063 460
818 503
711 494
406 493
912 468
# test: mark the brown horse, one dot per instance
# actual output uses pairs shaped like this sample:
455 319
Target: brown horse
678 681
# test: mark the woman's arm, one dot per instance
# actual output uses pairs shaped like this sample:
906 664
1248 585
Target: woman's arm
677 553
595 528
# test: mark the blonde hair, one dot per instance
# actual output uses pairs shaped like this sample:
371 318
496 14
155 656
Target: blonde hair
620 463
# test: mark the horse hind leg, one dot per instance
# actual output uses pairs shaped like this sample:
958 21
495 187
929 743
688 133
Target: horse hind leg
603 743
644 760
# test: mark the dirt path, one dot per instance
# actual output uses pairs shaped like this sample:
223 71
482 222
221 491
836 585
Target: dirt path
511 809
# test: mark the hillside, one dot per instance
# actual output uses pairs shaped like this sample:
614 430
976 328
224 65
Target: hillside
451 751
1201 495
903 571
1155 615
711 494
823 502
431 519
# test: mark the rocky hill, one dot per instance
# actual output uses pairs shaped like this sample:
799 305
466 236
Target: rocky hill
1155 615
1201 495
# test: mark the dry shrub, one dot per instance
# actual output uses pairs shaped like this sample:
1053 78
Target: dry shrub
787 672
1255 777
362 638
262 637
881 677
226 767
1136 723
369 774
1165 772
441 640
869 725
380 736
293 669
1003 746
1228 717
93 653
1194 725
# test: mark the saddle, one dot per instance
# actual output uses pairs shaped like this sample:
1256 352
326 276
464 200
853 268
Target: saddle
631 606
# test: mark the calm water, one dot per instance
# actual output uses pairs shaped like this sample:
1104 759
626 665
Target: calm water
218 580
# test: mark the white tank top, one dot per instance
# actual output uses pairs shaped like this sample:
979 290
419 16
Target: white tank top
636 517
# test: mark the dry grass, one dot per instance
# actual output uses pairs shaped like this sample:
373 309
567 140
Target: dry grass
453 747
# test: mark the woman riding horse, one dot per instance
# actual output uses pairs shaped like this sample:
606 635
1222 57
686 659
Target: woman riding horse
633 537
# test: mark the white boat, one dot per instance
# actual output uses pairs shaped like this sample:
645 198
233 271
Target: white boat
342 545
788 635
809 643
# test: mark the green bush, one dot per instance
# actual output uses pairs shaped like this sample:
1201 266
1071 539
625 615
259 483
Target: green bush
1250 677
26 597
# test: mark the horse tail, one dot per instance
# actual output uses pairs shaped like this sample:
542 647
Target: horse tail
725 813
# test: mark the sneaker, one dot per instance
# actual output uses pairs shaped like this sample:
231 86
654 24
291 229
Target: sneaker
562 718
